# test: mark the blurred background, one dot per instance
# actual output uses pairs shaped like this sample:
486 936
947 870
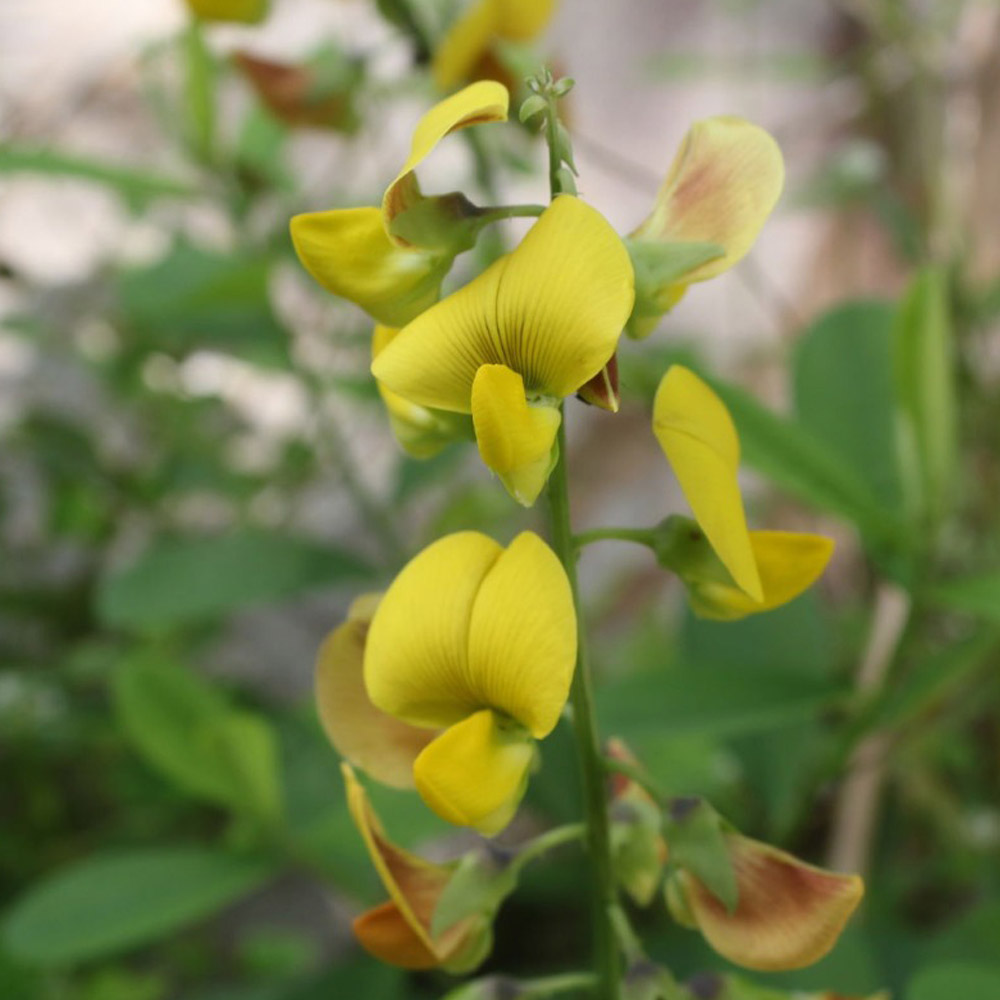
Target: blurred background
197 477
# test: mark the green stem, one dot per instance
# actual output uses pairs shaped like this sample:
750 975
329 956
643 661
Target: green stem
551 985
549 840
511 212
641 536
605 897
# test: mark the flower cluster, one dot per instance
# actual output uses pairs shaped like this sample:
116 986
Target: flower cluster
447 681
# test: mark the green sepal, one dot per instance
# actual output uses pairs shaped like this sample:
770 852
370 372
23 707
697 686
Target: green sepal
447 223
659 267
636 847
481 881
695 835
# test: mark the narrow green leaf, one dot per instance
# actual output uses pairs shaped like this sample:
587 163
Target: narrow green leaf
179 582
136 187
925 374
245 748
112 902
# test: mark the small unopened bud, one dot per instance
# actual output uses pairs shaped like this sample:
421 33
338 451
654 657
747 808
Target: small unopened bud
563 86
532 106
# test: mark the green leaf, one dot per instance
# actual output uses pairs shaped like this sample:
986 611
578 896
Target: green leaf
694 832
194 299
183 581
925 389
956 982
245 748
187 731
119 900
843 385
136 187
795 459
974 595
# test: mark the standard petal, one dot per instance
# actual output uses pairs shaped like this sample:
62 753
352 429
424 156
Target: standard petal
348 253
789 915
420 431
724 181
788 564
474 774
417 654
479 103
697 435
515 439
523 635
552 311
382 746
522 20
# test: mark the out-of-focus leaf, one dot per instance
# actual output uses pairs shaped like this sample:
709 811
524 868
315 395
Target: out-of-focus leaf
178 582
925 390
795 459
975 595
956 982
136 187
971 938
187 730
109 903
844 391
195 299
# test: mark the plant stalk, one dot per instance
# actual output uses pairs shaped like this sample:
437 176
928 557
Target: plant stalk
605 897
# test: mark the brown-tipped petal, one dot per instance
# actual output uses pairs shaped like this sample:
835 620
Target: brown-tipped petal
386 934
602 389
382 746
789 914
290 93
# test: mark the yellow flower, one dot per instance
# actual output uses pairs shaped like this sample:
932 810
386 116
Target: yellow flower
421 432
479 642
723 184
789 913
467 50
399 930
391 260
248 11
478 104
379 744
508 347
760 570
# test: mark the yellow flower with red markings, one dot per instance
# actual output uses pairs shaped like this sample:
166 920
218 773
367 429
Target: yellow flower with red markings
723 184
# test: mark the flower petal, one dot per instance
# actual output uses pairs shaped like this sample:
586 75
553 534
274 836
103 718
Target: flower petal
523 636
366 736
788 564
479 103
474 774
421 432
417 655
515 439
697 435
522 20
724 181
348 253
387 935
414 885
789 915
552 311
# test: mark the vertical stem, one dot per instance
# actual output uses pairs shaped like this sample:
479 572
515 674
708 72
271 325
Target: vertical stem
605 897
